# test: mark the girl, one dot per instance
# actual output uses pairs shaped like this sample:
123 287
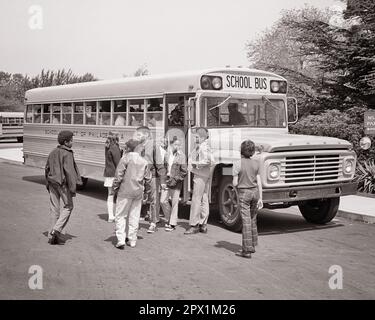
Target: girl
112 157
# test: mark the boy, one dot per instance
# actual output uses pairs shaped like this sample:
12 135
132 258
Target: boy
62 177
249 186
156 166
133 178
200 162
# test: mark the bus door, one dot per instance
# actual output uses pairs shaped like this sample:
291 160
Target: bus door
180 116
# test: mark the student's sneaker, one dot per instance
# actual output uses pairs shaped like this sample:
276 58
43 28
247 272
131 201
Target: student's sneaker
169 227
152 228
111 220
244 254
120 246
132 244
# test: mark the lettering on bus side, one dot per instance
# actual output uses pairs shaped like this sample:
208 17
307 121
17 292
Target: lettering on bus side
246 82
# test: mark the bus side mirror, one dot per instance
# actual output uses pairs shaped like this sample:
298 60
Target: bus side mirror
191 111
292 110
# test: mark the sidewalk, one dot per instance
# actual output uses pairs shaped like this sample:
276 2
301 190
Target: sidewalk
13 154
356 208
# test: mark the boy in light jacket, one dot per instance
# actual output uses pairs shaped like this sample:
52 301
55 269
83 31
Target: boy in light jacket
133 178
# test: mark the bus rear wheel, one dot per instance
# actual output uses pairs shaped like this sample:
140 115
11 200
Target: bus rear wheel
319 211
229 208
84 183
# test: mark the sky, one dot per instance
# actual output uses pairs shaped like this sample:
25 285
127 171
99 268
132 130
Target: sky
112 38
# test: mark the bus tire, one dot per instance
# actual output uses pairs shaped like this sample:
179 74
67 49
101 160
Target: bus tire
84 183
319 211
20 139
229 209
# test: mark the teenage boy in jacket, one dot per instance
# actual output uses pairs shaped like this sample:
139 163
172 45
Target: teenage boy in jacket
62 177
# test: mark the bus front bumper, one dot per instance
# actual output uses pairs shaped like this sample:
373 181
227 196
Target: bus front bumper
302 193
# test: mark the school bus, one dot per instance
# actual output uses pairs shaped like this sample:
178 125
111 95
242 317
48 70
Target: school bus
234 104
11 125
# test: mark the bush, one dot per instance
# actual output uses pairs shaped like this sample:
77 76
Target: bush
346 125
365 176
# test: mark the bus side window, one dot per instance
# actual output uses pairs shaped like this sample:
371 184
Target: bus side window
136 112
56 113
90 112
29 114
104 113
66 109
119 113
78 113
176 106
37 113
46 113
154 115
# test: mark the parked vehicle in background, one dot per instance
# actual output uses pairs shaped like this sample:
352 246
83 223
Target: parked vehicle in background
11 125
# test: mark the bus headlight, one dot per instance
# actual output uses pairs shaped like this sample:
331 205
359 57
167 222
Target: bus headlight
211 83
278 86
348 166
216 83
274 171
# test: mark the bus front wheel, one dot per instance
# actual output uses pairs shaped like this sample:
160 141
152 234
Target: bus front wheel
319 211
229 208
83 185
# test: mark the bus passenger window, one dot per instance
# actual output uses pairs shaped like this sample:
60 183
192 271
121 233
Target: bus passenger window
37 112
136 112
119 113
56 113
46 113
154 115
105 113
29 114
176 109
78 113
90 112
66 113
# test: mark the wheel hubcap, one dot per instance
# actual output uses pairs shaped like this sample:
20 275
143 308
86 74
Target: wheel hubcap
230 204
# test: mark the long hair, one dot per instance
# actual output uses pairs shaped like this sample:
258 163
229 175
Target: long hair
112 139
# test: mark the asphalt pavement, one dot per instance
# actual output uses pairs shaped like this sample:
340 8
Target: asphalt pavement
292 261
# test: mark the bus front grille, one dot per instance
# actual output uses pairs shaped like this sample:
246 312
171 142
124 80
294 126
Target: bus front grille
312 168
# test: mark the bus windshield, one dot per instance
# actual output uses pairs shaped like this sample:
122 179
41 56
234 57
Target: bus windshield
262 112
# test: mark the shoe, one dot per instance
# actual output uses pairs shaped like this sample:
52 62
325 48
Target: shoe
120 246
152 228
192 230
55 238
132 244
203 228
244 254
169 227
111 220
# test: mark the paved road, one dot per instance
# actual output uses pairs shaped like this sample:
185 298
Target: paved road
292 260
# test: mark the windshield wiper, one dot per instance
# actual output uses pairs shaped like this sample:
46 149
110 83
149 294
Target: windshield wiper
221 103
269 101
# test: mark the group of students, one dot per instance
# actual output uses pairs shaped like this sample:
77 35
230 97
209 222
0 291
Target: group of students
144 173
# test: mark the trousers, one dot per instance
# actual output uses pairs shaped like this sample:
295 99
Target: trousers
170 212
127 216
199 209
59 216
248 206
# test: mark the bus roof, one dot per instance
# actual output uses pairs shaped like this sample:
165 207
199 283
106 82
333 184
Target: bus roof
152 85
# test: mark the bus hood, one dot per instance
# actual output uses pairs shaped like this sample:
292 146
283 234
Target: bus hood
274 141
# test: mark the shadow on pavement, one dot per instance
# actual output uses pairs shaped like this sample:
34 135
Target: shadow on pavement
228 245
269 221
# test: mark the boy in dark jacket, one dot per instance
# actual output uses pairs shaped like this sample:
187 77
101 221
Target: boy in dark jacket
62 177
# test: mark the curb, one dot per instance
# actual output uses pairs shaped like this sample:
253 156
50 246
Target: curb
356 217
8 161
